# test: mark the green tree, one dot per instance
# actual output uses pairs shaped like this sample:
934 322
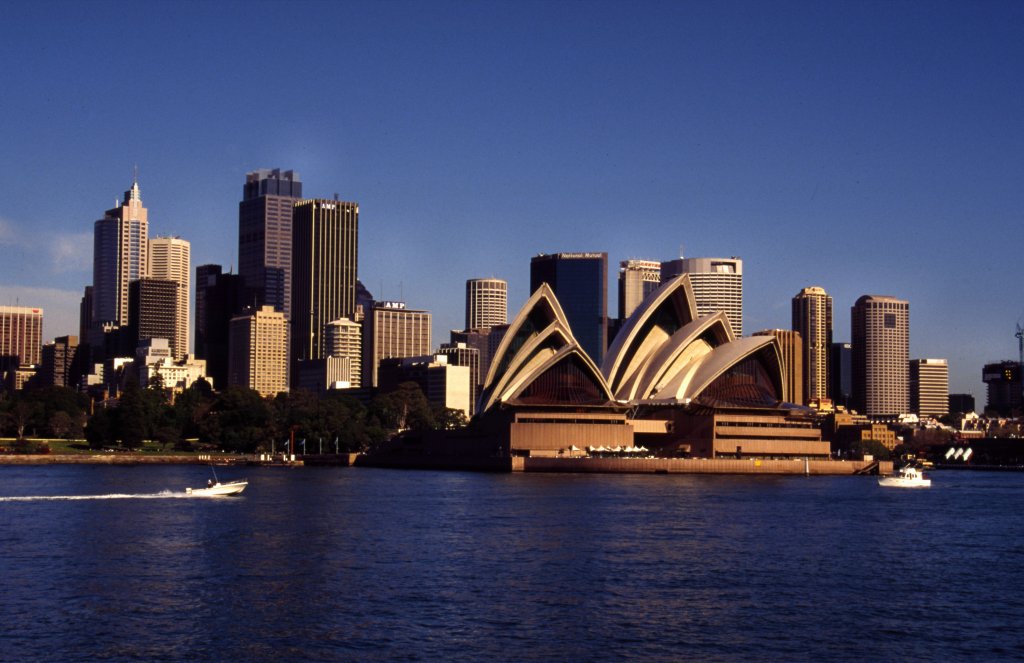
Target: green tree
239 421
132 423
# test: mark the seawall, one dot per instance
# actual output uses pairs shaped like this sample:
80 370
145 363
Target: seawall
696 466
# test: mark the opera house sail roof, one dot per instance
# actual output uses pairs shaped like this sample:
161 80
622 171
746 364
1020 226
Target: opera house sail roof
663 355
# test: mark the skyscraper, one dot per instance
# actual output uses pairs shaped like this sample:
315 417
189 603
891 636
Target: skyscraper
153 312
62 366
637 279
792 347
325 236
343 347
1003 386
259 351
880 331
218 299
929 387
580 282
21 336
265 236
120 255
169 259
486 303
717 285
840 373
392 330
812 317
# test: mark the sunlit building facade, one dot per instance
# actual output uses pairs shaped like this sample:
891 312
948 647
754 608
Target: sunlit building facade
717 285
880 335
169 258
812 318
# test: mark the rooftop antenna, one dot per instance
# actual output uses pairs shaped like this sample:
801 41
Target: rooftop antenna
682 248
1020 347
135 174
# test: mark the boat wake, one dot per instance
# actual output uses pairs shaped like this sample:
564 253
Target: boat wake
162 495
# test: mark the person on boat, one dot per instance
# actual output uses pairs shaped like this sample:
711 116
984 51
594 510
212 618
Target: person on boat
209 483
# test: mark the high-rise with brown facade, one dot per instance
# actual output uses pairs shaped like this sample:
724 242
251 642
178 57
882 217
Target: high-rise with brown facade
392 330
169 260
486 303
812 317
259 351
21 337
880 336
325 236
265 236
929 387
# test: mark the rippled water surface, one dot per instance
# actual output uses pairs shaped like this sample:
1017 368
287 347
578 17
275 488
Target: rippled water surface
362 564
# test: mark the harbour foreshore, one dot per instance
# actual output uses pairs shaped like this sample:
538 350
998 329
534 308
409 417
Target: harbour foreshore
517 464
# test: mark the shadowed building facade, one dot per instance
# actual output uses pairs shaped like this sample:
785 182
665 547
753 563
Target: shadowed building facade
325 236
265 236
153 313
580 282
219 298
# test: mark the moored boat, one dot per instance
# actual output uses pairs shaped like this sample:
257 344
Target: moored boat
907 477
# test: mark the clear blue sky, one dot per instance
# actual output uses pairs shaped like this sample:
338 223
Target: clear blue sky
866 147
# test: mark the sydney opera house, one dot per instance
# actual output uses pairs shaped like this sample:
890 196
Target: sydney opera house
672 382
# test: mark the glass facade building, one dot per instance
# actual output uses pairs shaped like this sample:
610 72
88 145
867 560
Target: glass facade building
580 282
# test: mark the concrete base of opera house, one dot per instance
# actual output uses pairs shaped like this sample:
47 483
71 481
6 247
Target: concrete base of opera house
589 465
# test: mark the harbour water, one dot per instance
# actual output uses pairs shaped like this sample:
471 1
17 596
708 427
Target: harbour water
372 564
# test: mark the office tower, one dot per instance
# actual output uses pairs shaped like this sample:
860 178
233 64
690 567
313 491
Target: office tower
791 346
21 337
880 334
482 341
153 305
85 314
1003 384
259 351
717 285
580 282
962 403
486 303
637 279
169 260
929 387
325 237
461 354
265 236
219 298
343 347
840 373
61 365
120 256
392 330
812 317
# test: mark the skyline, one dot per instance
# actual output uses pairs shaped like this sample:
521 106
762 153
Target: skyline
865 149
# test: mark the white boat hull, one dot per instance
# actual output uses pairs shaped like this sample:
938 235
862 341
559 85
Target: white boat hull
901 482
219 489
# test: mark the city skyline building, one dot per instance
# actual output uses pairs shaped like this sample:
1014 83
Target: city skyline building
390 330
1003 388
841 373
259 351
61 365
265 236
717 285
120 256
21 336
218 299
325 236
812 317
343 349
580 282
637 279
486 303
929 387
461 354
169 259
152 309
880 336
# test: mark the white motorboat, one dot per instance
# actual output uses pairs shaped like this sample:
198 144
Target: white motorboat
218 489
906 477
